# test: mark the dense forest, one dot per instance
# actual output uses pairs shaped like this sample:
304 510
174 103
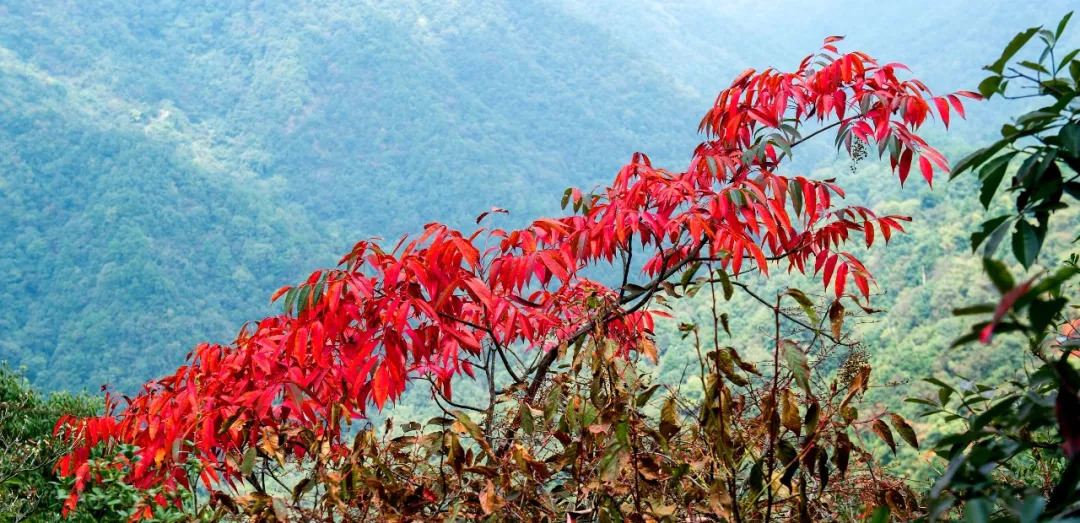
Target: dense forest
286 132
166 166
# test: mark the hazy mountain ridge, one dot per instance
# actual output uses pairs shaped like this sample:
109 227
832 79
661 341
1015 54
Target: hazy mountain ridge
121 257
268 136
265 139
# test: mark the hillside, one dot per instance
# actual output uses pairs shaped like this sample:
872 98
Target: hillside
171 165
123 252
168 165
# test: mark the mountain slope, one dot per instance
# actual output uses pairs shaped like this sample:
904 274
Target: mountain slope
169 164
339 100
119 254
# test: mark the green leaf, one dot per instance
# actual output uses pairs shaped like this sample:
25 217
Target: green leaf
1034 119
645 396
1017 42
688 274
1025 243
1041 313
1049 284
1073 189
756 480
249 461
805 303
1043 168
782 143
611 464
290 297
1034 67
711 163
978 510
943 396
843 452
1048 38
551 408
302 298
991 175
812 418
301 487
796 197
1061 25
470 426
634 290
622 433
979 157
1070 138
788 457
797 364
1026 167
725 283
527 423
986 229
944 386
985 308
880 515
1031 508
999 275
746 366
989 86
281 512
921 401
995 239
1068 58
823 470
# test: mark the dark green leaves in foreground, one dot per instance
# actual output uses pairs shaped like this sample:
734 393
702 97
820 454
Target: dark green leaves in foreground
1039 152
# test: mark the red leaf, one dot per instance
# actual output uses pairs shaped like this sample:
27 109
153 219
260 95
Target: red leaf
380 386
957 105
1003 307
943 109
763 117
885 230
927 170
381 317
841 279
830 264
862 283
742 77
905 165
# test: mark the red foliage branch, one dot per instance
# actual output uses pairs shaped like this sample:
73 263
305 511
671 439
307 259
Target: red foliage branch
431 306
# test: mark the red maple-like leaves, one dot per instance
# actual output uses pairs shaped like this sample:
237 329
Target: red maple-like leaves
432 306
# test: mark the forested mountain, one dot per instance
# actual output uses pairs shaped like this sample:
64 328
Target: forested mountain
168 164
117 248
202 154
